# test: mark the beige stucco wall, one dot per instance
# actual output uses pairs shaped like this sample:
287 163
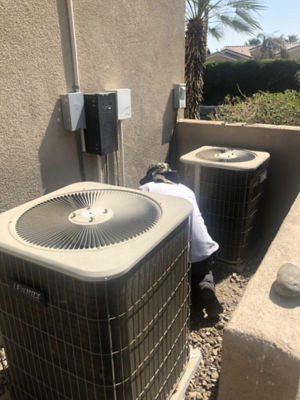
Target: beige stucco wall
137 45
283 144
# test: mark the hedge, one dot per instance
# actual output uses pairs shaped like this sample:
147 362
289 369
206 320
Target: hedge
262 107
248 77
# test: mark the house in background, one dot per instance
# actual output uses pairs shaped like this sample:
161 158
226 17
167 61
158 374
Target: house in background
232 53
247 52
293 50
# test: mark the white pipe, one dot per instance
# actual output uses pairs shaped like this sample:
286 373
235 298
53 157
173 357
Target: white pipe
75 59
107 168
197 182
73 45
100 167
82 140
122 161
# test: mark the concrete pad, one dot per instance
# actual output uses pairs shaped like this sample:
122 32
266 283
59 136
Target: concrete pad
261 343
195 358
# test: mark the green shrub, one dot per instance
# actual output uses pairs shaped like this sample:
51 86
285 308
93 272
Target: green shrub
297 77
240 78
262 107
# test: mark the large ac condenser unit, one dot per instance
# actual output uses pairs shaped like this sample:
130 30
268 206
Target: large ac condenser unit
228 184
94 294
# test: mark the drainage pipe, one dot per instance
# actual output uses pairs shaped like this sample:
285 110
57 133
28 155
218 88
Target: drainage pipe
80 140
122 162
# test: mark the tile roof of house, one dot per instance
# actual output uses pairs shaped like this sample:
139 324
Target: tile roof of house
231 52
290 46
245 50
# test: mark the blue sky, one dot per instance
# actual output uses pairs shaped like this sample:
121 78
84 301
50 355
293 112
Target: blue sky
280 17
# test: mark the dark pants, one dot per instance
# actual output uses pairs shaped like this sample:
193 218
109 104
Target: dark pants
202 272
203 293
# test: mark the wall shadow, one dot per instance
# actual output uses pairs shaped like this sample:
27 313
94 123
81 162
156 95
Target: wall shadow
169 120
169 130
58 154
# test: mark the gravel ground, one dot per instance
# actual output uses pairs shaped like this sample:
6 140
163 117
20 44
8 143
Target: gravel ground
208 335
3 375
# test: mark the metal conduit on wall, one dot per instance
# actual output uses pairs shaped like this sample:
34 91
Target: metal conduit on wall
102 162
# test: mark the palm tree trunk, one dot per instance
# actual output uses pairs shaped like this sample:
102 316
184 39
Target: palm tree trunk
195 56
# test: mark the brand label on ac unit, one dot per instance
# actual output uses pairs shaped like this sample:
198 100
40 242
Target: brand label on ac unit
28 292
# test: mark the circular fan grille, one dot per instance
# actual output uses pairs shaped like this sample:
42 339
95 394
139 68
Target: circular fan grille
226 155
88 219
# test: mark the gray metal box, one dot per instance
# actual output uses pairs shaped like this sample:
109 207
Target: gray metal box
179 97
72 106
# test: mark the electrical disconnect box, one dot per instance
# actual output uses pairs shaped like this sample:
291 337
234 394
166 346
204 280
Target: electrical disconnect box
101 113
179 95
72 107
124 103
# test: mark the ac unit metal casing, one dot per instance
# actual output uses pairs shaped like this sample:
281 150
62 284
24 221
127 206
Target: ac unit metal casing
100 321
228 184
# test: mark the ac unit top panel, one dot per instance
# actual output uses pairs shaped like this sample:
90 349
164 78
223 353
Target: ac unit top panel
225 158
89 230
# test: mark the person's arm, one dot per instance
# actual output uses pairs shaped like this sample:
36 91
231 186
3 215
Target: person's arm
144 188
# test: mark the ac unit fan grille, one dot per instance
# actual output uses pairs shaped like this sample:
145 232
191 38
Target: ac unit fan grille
88 219
226 155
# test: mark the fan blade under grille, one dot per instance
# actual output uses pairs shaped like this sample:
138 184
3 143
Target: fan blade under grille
101 218
226 155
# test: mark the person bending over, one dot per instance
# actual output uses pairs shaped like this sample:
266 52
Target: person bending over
160 178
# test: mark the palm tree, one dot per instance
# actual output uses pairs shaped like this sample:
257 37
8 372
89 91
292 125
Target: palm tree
210 16
272 45
253 42
292 38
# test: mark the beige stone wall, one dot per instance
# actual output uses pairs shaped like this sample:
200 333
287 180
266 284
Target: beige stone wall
137 45
283 144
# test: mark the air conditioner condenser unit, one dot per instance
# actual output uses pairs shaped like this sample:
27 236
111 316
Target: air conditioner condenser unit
94 294
229 184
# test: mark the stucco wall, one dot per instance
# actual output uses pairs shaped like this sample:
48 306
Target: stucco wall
137 45
283 144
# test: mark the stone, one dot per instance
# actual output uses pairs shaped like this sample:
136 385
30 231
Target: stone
220 325
288 281
215 375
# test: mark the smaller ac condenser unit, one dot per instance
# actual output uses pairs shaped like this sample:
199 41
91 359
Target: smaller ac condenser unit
94 294
228 184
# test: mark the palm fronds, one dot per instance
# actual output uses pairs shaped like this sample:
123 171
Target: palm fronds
211 16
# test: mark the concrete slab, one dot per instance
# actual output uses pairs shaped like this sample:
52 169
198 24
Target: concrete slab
193 364
261 343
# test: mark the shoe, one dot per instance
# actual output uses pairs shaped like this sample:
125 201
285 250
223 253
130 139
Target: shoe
208 300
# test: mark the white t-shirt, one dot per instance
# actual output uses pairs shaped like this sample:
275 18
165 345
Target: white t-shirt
202 245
